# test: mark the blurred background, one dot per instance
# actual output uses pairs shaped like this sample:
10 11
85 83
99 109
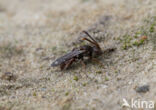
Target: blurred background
33 33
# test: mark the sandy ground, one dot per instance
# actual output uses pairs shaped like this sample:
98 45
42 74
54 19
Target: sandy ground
33 33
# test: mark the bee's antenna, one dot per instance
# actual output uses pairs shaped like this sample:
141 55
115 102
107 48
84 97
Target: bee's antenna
90 36
93 40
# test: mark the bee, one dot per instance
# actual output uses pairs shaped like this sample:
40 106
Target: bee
79 54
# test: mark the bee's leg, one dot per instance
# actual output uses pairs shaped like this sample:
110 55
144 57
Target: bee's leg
62 66
84 65
97 61
69 63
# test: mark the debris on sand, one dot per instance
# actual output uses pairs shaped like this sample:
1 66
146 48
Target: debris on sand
8 76
143 89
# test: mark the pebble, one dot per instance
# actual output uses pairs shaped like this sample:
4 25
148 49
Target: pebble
8 76
143 89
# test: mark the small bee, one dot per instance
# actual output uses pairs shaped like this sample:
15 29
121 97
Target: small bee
81 53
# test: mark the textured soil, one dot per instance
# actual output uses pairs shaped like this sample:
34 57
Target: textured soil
33 33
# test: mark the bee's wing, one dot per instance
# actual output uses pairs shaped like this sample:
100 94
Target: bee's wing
67 57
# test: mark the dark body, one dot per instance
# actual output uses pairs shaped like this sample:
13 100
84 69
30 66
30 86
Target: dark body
89 51
75 55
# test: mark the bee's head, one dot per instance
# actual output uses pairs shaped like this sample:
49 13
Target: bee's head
96 48
96 51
